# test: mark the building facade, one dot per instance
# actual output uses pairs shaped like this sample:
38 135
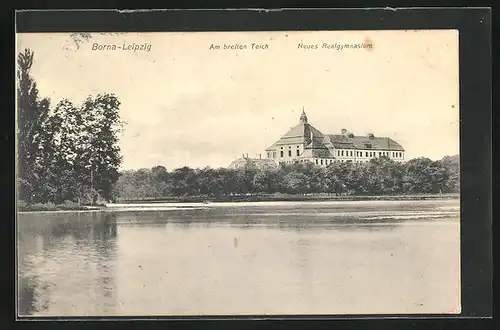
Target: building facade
305 143
252 163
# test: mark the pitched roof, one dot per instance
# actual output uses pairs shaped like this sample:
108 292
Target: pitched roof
272 147
363 142
317 153
298 134
316 144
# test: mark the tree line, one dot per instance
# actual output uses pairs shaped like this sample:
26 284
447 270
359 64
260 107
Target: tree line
66 152
379 176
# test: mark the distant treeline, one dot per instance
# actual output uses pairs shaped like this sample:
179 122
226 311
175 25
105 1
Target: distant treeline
380 176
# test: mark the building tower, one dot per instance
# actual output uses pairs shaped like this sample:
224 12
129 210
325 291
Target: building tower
303 117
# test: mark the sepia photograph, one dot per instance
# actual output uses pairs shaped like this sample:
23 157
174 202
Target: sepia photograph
238 173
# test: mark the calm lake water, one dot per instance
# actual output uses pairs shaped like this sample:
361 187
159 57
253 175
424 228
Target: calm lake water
256 258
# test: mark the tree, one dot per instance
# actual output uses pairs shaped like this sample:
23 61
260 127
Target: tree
267 181
100 157
418 176
452 167
31 116
184 182
296 183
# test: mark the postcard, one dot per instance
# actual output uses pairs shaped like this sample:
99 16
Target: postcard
238 173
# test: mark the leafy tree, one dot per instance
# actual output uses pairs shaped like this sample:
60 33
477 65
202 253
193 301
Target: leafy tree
99 153
183 182
31 116
296 183
452 167
418 178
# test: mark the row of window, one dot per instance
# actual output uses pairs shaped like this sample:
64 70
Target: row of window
350 153
322 161
331 161
343 153
282 154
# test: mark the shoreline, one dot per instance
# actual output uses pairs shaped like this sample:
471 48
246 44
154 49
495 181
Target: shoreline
238 199
291 198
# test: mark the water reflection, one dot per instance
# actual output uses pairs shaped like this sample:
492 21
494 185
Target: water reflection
223 259
57 247
312 218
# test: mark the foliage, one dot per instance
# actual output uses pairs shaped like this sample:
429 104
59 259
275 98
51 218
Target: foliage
380 176
70 152
31 116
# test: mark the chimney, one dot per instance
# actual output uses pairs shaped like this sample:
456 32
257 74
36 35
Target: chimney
371 136
343 131
260 156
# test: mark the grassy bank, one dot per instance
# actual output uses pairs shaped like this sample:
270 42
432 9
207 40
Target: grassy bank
290 197
40 207
69 206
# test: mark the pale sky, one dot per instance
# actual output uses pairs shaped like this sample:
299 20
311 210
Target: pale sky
186 104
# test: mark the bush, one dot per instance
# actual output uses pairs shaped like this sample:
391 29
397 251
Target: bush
70 205
37 207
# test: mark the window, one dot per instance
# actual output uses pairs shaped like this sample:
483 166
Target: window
379 153
322 162
331 161
342 153
351 153
268 155
289 153
281 153
316 161
298 152
274 154
366 154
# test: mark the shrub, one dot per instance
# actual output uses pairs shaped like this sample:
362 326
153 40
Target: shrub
38 207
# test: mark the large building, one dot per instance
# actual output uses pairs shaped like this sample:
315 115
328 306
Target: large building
252 163
305 143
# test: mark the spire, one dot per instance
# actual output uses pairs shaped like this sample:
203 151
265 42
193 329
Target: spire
303 117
